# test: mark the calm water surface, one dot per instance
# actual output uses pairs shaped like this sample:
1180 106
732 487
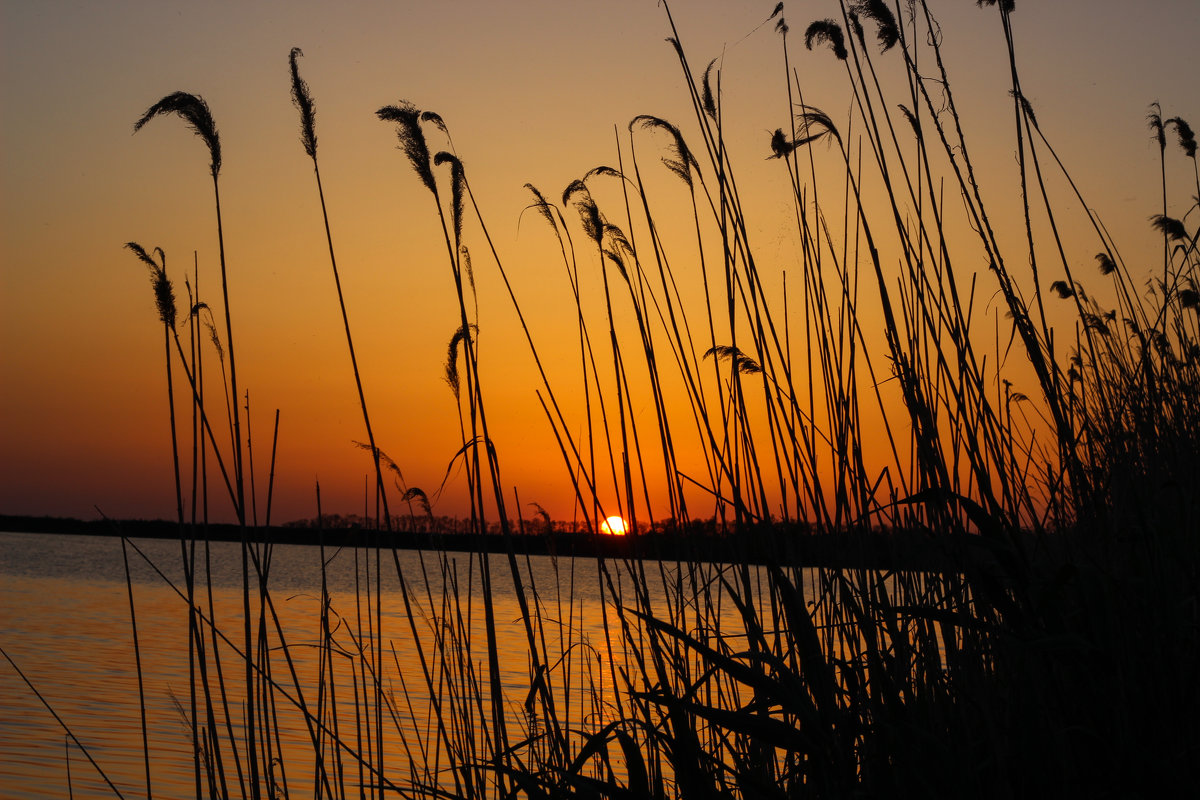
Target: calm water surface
65 622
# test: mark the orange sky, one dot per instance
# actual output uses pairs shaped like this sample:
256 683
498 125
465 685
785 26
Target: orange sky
531 92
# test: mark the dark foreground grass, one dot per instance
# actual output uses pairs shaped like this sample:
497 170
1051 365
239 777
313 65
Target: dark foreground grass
1055 655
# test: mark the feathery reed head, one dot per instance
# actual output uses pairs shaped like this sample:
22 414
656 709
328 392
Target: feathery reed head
458 182
886 31
671 40
1187 139
706 96
304 104
1170 227
616 237
412 139
613 255
814 123
1026 107
780 146
542 205
452 365
856 27
465 257
1189 298
142 255
1005 5
419 495
414 493
164 298
195 112
1062 289
215 338
384 458
164 292
1154 121
603 169
543 515
435 119
589 212
618 247
826 30
1107 267
682 161
461 336
741 362
1096 323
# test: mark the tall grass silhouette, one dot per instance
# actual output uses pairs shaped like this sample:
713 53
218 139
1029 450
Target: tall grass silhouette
1013 607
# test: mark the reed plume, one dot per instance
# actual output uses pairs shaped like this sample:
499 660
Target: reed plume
1169 227
164 292
196 114
887 32
589 213
1062 289
412 139
1187 138
461 338
826 30
457 193
302 99
1154 122
415 493
707 97
681 161
741 362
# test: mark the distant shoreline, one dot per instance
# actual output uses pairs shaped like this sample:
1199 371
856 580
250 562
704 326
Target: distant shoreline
906 551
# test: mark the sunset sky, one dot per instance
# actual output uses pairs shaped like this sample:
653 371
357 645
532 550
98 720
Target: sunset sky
531 92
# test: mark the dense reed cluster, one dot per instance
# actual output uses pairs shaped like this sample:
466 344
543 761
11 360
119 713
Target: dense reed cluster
1056 656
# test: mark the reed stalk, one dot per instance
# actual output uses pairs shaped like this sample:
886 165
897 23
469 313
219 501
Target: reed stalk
195 112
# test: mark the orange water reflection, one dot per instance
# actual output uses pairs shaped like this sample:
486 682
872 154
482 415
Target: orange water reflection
70 631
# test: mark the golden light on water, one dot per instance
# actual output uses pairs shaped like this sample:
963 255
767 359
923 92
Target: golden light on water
614 526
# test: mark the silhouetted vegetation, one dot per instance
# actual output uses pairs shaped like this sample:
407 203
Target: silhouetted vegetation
1047 647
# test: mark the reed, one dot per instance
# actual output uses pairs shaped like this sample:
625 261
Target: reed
258 732
1060 618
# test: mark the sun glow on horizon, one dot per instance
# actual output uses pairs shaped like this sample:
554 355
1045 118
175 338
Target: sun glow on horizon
614 526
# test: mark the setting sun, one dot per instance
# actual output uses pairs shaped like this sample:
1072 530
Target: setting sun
614 526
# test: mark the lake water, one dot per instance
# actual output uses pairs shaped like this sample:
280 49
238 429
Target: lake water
65 622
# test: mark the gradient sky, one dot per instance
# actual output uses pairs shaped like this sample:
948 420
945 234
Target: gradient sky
531 92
